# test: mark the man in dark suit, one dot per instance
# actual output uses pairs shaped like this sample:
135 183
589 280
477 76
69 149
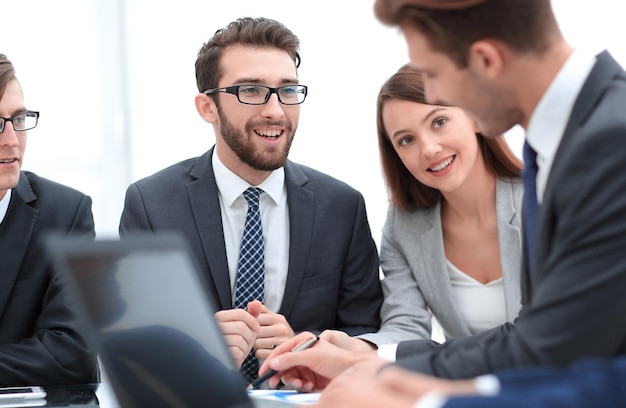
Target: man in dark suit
516 68
41 340
506 62
321 263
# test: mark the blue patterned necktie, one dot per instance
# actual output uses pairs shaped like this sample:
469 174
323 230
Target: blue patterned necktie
531 205
251 270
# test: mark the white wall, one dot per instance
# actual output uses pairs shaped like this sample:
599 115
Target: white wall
114 81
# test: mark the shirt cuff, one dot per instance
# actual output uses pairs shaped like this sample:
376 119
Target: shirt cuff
431 400
387 352
487 385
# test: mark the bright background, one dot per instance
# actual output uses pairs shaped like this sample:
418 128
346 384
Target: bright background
114 81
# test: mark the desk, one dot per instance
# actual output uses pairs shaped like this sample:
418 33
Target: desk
101 396
80 396
72 395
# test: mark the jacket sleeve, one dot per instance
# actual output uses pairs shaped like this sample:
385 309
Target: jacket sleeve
587 383
358 308
404 313
134 216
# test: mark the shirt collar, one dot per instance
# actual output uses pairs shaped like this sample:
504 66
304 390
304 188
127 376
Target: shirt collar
4 205
231 186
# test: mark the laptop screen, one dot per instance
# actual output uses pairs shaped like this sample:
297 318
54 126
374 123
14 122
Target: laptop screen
152 321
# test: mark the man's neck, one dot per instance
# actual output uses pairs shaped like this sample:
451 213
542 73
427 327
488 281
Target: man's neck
538 71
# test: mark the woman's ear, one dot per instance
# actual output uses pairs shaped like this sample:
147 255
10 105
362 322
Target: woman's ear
205 105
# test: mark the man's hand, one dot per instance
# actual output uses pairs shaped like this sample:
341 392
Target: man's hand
345 341
310 369
240 328
274 330
376 383
359 386
417 385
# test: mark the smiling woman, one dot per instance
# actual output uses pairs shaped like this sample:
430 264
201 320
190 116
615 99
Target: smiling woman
450 187
115 88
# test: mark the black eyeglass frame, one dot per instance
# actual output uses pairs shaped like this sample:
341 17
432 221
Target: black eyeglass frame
28 113
234 90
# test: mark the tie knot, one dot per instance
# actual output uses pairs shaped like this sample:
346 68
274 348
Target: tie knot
530 156
252 195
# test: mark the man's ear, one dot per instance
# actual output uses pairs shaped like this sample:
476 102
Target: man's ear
476 127
486 58
205 105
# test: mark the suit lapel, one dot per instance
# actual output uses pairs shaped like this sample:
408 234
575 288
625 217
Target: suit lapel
605 70
301 203
205 206
17 231
510 242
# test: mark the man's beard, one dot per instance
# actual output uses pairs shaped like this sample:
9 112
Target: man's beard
271 158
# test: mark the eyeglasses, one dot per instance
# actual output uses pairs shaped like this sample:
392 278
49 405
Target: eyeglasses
22 121
260 94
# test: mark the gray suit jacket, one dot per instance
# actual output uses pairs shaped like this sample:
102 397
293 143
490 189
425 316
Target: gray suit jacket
333 277
416 275
574 301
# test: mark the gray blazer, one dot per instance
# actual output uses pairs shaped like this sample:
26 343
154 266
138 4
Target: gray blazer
416 275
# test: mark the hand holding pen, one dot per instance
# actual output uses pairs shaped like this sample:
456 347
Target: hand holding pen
310 342
311 369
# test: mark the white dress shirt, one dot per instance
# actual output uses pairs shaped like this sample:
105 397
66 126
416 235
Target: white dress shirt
550 117
4 205
275 221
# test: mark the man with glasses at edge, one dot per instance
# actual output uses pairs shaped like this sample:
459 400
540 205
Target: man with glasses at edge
320 261
40 332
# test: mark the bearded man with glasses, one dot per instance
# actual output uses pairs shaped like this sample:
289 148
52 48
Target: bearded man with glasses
315 262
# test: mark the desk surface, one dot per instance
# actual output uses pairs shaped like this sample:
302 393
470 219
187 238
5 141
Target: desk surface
88 395
101 396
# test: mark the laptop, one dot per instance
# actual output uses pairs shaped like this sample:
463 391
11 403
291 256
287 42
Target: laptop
151 319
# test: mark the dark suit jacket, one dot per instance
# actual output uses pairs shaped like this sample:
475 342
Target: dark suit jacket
574 302
588 383
40 336
333 277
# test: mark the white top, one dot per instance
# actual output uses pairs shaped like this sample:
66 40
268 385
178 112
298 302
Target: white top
4 205
550 117
481 305
275 221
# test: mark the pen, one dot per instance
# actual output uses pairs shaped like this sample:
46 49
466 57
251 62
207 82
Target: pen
302 346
